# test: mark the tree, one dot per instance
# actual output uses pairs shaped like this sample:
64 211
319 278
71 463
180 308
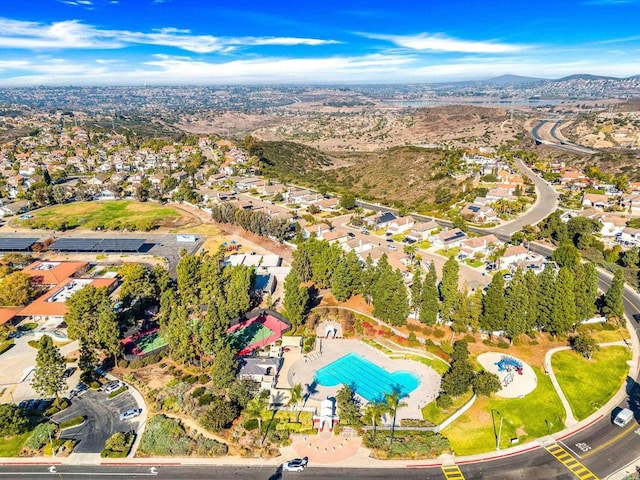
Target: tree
486 383
449 288
341 282
219 415
13 420
348 201
224 367
586 293
16 289
137 284
416 292
393 403
255 409
494 305
566 255
613 306
389 294
48 375
546 289
516 306
584 345
563 304
295 397
429 301
348 406
296 298
373 413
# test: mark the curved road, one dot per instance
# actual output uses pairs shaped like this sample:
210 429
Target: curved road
561 144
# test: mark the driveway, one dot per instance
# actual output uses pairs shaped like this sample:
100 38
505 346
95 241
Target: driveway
102 419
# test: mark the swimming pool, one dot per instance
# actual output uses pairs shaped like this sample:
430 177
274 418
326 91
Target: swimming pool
366 378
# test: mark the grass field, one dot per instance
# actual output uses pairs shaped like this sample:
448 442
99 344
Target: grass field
533 416
588 384
11 446
437 415
117 215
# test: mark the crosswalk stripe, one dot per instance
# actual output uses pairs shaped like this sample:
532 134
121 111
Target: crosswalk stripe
569 461
452 472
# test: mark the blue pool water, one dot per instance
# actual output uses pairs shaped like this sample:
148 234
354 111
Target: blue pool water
366 378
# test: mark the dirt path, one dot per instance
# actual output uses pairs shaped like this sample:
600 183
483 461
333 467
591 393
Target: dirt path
194 426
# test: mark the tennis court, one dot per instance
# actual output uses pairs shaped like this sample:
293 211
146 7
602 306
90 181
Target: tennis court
143 343
256 333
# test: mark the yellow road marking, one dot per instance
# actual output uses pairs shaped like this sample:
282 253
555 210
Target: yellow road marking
628 430
569 461
452 472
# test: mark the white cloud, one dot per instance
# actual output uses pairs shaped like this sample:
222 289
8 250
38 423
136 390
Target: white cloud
442 43
72 34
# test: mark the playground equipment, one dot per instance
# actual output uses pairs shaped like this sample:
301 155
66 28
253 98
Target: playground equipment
509 364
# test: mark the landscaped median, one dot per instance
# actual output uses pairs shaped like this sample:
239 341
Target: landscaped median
589 384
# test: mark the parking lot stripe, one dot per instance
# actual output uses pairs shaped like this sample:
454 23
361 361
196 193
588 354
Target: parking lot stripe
569 461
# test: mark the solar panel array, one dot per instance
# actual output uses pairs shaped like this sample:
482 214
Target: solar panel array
97 245
455 236
16 244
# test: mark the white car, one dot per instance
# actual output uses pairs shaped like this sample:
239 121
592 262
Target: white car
129 414
295 465
112 387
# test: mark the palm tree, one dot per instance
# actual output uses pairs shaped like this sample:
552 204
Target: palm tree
255 409
295 398
374 412
393 404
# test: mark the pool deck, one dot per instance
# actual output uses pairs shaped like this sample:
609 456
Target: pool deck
303 371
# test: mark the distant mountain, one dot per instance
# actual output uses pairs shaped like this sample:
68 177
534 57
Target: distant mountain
585 76
512 80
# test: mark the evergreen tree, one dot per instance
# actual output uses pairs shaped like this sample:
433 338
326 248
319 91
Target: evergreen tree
516 302
429 301
586 283
48 375
302 263
462 314
369 277
296 298
494 306
390 297
238 281
354 267
225 365
475 309
108 333
563 304
531 305
546 289
188 278
613 306
449 289
178 334
341 282
416 292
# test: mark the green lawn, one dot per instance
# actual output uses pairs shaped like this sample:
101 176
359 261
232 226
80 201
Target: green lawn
452 252
116 215
533 416
11 446
474 262
588 384
423 245
436 415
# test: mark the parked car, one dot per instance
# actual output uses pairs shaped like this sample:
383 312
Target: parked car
351 234
507 276
295 465
393 247
112 386
129 414
364 231
390 240
491 266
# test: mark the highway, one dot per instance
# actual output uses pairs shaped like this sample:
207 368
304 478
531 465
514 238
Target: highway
557 142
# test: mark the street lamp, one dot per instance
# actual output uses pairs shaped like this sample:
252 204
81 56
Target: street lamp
497 433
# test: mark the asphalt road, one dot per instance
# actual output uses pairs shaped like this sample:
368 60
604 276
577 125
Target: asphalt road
102 419
561 143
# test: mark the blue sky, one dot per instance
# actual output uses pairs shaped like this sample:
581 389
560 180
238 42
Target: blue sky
124 42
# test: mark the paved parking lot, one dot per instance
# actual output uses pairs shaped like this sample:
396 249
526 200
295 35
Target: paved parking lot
102 419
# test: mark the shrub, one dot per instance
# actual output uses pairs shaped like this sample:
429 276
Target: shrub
439 333
151 359
117 392
503 344
40 436
118 445
204 378
446 347
469 338
124 364
6 345
164 436
95 384
444 401
135 364
209 447
57 406
415 422
198 392
205 399
190 379
72 422
219 415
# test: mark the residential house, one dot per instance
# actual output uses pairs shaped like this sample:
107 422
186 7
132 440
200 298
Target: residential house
328 204
400 225
449 238
14 208
381 219
629 236
263 370
478 213
595 200
513 255
422 230
336 235
479 246
500 194
631 202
